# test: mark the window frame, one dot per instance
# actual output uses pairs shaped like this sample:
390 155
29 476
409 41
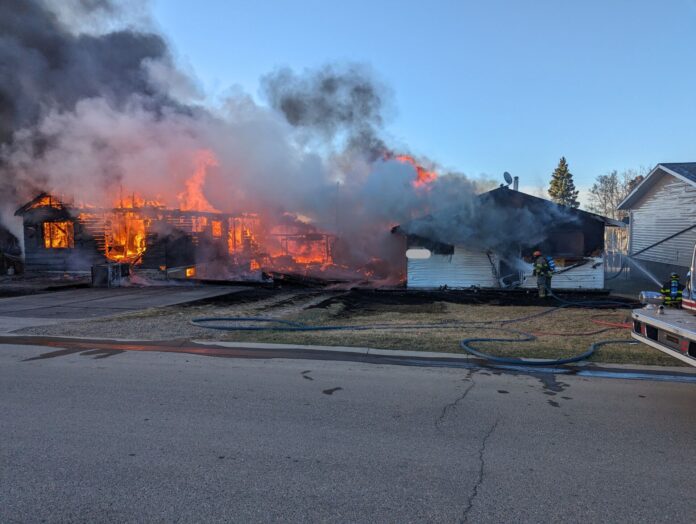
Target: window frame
48 229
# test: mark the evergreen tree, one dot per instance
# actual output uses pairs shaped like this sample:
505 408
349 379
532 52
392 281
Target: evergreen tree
562 188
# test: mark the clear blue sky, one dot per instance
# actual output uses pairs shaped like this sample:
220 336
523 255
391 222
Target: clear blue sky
481 87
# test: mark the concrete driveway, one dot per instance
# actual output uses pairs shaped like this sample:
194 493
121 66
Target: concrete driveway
86 303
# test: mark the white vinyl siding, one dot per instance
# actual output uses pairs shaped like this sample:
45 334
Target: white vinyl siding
586 276
461 269
466 268
669 207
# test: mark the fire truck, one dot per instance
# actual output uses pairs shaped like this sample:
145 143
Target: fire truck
672 331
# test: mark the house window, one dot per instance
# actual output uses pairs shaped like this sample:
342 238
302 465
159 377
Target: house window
217 228
58 235
198 224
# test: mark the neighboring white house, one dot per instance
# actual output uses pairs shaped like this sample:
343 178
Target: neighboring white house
462 268
465 268
662 227
575 240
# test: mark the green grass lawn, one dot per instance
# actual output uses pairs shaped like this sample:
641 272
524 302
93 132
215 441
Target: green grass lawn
562 333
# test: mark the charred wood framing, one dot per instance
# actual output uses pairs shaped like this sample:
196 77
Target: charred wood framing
61 237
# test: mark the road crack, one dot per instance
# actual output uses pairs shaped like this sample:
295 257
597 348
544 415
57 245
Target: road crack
452 406
481 474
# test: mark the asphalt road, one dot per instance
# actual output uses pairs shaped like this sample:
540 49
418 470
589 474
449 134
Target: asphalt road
142 436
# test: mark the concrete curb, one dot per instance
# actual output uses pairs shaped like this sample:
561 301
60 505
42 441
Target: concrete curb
340 349
429 355
366 351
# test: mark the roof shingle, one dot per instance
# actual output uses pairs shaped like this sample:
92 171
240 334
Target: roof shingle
685 169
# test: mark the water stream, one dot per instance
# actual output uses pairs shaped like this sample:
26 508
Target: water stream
634 263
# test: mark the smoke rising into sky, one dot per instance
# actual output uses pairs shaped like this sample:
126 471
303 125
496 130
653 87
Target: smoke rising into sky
333 102
92 104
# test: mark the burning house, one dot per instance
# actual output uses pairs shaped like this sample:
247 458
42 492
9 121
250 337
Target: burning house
446 251
303 182
62 236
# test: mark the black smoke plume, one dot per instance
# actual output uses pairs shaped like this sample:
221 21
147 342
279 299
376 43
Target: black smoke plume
47 67
43 65
88 104
337 102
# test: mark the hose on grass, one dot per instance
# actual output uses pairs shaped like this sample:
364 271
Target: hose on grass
288 325
572 333
582 304
276 324
273 324
528 337
616 325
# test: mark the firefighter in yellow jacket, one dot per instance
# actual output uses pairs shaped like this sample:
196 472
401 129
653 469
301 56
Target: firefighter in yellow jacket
672 291
543 272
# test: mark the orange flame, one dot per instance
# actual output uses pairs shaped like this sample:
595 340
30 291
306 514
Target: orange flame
122 232
192 199
58 235
134 201
423 177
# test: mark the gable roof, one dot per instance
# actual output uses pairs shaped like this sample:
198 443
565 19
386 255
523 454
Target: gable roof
34 202
685 171
506 198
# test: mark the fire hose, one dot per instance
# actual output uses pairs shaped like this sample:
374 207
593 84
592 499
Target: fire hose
273 324
527 337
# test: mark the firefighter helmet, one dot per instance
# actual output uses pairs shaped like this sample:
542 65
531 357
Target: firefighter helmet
674 276
537 253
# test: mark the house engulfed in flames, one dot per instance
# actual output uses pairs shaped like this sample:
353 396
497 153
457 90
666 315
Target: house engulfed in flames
60 236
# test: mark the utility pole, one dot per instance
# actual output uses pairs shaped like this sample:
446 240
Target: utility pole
338 194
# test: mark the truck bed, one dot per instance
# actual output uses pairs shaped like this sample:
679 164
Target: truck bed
672 332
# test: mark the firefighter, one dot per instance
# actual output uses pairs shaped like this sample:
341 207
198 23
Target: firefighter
543 272
672 291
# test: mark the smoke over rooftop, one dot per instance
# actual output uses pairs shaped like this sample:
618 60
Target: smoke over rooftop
333 101
92 104
48 67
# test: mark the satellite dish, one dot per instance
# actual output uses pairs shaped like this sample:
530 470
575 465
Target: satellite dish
508 178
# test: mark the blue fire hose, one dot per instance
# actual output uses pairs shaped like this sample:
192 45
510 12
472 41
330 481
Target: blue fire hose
272 324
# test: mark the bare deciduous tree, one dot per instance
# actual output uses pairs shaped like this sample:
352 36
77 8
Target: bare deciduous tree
610 189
